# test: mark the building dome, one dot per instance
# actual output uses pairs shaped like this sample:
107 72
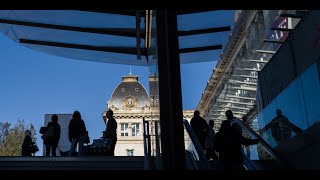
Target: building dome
129 95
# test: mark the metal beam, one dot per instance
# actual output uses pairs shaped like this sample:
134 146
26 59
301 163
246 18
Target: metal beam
127 32
245 88
148 24
204 31
132 12
232 107
122 50
221 114
265 51
273 41
182 12
234 112
247 69
232 98
119 12
240 97
243 103
224 114
256 60
280 29
138 35
217 114
246 76
241 82
196 49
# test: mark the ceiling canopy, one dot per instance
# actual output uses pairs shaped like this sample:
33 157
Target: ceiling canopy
118 37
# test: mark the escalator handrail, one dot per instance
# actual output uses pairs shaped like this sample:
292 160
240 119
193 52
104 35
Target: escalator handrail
262 141
247 161
194 139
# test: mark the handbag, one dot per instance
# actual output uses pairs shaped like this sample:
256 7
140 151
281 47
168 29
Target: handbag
33 148
43 130
86 138
102 144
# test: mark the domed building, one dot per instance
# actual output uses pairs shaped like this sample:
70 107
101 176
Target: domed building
130 103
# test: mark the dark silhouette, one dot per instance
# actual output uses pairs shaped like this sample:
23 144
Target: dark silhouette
27 143
77 130
230 117
228 143
200 128
244 119
210 149
111 132
51 142
281 127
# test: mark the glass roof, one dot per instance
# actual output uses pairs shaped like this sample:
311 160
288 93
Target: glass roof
114 36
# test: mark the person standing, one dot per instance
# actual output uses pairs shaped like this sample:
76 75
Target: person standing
230 117
27 142
51 141
229 143
210 149
77 131
111 131
200 128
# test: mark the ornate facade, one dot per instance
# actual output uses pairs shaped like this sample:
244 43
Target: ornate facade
131 103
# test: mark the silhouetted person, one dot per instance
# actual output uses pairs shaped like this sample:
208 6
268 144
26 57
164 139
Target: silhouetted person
281 127
244 119
27 142
230 117
77 130
52 141
200 128
111 131
210 149
228 144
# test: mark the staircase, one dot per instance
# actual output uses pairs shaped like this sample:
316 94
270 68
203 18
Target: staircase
72 163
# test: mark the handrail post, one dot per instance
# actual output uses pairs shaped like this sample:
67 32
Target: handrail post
146 158
149 146
157 139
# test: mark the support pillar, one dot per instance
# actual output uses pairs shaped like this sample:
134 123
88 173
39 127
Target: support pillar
171 114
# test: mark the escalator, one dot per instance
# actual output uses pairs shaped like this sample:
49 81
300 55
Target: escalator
261 156
256 157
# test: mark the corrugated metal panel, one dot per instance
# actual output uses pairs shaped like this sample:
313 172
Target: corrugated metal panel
259 98
300 50
306 41
277 74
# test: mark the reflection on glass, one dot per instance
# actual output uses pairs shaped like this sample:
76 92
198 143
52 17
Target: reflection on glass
256 151
281 127
277 129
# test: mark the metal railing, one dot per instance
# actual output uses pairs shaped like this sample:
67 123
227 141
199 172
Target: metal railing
202 159
152 148
282 162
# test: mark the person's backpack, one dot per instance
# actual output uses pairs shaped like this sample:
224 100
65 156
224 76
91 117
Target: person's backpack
48 134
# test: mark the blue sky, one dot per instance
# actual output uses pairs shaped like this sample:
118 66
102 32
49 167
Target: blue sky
34 83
